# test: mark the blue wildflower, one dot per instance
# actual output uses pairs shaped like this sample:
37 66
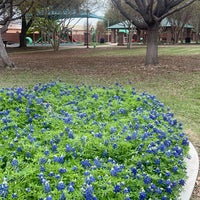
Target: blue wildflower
185 142
51 174
86 173
57 176
157 161
147 180
42 169
47 187
134 135
95 96
74 168
19 149
85 163
54 147
98 135
117 188
126 190
128 138
105 153
60 159
140 147
68 148
122 111
174 184
127 198
143 195
162 147
157 170
90 179
4 189
42 161
88 193
14 162
133 171
28 189
168 189
167 143
14 196
168 153
49 198
28 155
175 169
153 186
41 176
181 182
158 190
62 170
167 174
113 130
61 185
70 134
97 162
70 187
112 113
63 197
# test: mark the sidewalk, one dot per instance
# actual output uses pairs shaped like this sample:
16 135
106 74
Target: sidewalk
192 165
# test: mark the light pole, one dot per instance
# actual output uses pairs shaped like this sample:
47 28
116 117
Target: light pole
108 32
87 34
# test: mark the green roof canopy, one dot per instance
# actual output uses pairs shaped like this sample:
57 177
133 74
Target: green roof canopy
164 23
123 31
67 14
120 25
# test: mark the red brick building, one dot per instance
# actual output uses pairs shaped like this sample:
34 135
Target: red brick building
12 34
167 34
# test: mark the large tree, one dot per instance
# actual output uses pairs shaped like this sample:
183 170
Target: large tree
27 20
178 21
195 20
149 15
8 12
45 9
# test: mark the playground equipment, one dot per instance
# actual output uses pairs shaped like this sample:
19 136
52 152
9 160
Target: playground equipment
29 40
71 39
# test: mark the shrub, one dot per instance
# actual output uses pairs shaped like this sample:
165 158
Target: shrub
61 141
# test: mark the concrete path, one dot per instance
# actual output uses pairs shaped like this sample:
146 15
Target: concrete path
192 172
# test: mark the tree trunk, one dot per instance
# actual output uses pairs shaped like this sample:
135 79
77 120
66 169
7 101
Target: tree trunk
4 56
24 29
152 45
55 41
130 36
22 40
23 33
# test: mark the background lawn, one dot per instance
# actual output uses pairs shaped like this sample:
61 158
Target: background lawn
176 81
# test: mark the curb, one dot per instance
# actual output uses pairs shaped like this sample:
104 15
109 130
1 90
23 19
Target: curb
192 165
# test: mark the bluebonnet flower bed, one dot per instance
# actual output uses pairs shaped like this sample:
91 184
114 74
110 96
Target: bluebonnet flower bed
78 142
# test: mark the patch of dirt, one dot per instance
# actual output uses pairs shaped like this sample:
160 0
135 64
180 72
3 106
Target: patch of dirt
85 62
79 62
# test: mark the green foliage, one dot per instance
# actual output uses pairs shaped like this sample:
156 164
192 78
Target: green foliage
80 142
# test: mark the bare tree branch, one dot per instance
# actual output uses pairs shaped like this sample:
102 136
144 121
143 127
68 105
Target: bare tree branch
151 13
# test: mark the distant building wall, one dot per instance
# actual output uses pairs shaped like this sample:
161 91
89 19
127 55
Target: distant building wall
12 34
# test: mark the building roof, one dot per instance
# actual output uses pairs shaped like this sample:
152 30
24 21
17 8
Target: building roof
121 25
68 14
164 23
118 26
